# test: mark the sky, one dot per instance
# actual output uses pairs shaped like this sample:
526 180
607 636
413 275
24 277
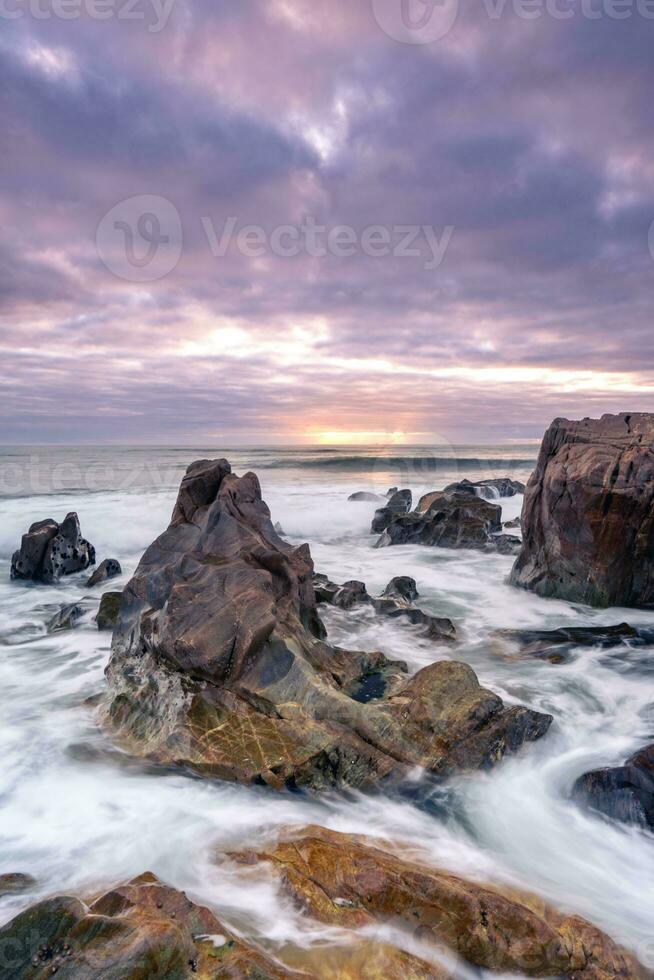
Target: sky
323 221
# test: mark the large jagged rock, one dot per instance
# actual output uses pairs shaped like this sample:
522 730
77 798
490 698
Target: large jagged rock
625 793
345 881
456 520
588 515
218 663
142 929
49 551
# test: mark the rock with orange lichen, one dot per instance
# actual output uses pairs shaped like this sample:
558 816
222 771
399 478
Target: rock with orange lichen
142 930
347 882
219 663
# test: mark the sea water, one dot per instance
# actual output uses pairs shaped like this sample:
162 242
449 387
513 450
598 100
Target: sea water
80 817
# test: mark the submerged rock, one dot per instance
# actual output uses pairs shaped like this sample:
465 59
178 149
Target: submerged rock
350 883
137 930
66 619
363 496
14 882
504 544
579 636
109 568
513 525
218 664
49 551
395 602
402 587
625 793
458 520
588 515
108 612
488 489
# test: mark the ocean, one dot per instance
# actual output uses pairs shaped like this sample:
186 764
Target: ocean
80 817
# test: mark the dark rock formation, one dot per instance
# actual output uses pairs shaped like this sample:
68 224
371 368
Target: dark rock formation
399 503
142 929
14 882
395 602
348 882
556 645
108 612
625 793
504 544
66 618
488 489
578 636
365 497
458 520
49 551
513 525
588 515
218 664
109 568
402 587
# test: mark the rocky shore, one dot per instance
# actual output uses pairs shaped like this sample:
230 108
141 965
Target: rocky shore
219 663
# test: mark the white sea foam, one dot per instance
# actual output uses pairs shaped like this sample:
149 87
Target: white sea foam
78 821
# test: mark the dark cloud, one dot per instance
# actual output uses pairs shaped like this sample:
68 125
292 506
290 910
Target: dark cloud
531 138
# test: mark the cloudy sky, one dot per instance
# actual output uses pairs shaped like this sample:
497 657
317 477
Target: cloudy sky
164 162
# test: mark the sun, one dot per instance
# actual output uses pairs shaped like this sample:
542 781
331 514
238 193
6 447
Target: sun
341 437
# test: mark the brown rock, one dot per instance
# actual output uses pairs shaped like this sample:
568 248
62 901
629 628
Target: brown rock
218 663
347 882
457 520
108 612
588 516
139 930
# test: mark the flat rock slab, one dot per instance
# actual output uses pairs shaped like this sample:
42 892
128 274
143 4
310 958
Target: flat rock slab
349 882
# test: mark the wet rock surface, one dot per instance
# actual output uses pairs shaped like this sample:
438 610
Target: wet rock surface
108 612
588 515
219 664
49 551
396 602
457 520
66 619
139 930
399 502
363 496
488 489
12 883
349 882
109 568
625 793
